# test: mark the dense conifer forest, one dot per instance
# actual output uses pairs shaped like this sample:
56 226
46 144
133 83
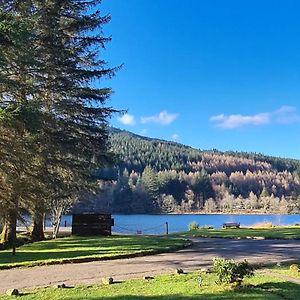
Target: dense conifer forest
156 176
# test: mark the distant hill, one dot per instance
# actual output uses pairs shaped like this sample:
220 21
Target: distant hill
122 138
162 176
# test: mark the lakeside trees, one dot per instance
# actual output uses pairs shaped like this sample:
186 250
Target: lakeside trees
53 117
160 176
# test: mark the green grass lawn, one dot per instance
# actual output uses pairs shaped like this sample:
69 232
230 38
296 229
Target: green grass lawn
268 233
86 248
284 269
175 287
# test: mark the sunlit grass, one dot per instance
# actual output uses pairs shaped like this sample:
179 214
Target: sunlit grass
175 287
284 269
292 232
86 248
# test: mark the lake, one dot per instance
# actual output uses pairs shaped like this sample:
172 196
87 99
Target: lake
156 224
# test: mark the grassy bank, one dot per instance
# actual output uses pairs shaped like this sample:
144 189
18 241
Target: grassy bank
267 233
285 270
175 287
78 249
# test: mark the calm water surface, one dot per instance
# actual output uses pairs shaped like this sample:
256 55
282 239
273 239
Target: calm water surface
156 224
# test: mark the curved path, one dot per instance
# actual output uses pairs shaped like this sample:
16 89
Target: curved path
193 258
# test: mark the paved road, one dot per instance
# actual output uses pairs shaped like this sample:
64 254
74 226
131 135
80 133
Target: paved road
199 255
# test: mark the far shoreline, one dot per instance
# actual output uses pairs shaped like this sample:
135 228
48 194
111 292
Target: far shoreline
205 213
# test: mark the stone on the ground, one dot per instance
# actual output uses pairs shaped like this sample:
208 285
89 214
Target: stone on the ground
148 277
61 286
13 292
107 280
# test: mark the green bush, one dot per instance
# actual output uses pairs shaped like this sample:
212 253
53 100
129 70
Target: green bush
229 271
194 226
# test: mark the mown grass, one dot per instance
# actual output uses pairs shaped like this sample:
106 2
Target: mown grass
175 287
72 249
292 232
284 269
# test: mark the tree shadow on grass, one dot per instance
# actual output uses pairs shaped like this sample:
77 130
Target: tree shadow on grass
74 247
254 295
101 243
266 291
285 290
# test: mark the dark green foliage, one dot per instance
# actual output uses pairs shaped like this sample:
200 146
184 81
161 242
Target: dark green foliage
201 186
123 195
136 152
53 111
150 182
229 271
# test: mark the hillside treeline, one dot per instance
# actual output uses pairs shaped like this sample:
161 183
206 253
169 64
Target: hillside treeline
159 176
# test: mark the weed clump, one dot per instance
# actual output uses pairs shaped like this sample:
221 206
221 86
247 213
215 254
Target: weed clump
231 272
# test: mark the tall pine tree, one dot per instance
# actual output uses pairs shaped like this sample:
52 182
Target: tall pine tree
59 82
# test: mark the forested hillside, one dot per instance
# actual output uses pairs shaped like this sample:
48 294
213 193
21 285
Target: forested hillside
161 176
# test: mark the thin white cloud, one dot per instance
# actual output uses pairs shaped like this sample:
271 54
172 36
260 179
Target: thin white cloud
144 131
175 137
235 121
127 119
163 118
285 109
284 115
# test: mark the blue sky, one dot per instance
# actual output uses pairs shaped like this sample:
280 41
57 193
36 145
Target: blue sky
208 73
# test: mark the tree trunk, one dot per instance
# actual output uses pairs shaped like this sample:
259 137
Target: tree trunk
56 228
9 232
37 233
56 218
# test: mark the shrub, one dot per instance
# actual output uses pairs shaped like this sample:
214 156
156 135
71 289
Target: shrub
229 271
294 268
193 226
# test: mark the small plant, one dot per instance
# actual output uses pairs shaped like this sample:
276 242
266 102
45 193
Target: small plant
231 272
200 280
294 268
179 271
193 226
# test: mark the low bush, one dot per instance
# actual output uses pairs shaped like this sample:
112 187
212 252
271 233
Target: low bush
231 272
194 226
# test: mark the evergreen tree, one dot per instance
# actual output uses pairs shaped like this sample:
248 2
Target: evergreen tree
149 179
19 117
150 182
69 41
54 76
